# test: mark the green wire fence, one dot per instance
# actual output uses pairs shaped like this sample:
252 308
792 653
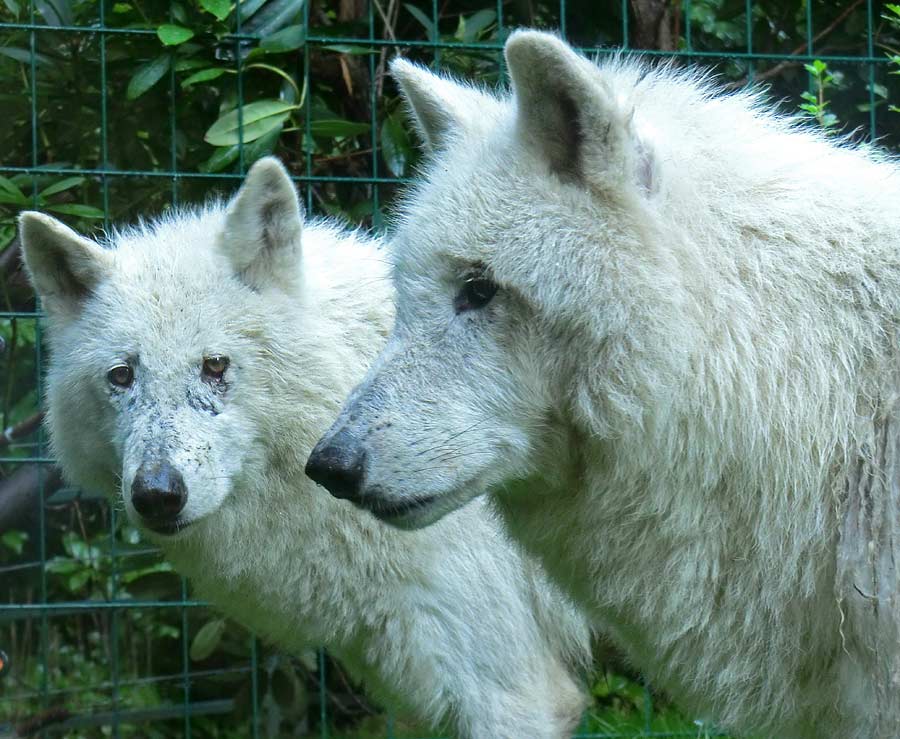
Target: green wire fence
111 110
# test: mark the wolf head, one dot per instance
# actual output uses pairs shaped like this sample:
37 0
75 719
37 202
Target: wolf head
158 347
518 262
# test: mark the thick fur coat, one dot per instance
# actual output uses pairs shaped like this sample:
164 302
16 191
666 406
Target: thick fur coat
661 324
454 623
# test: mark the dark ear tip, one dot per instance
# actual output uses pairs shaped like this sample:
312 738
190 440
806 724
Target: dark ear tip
270 177
27 217
410 76
268 168
32 223
528 46
402 68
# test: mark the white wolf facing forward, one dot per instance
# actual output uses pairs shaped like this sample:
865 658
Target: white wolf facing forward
193 364
682 311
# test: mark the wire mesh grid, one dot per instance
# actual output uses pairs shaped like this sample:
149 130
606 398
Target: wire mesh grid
100 637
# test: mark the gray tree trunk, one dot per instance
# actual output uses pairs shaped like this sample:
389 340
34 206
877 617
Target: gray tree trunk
867 576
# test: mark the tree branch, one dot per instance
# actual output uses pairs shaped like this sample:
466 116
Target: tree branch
652 27
20 493
21 430
781 66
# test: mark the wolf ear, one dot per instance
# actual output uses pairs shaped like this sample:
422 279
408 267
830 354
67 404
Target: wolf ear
568 114
439 106
263 225
64 268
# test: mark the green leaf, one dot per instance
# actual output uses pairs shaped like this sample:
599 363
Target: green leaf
24 55
257 119
349 49
77 581
423 19
226 155
27 331
477 23
56 187
460 29
218 8
204 75
82 550
248 8
221 158
178 12
263 146
337 127
172 35
130 575
13 194
62 566
396 148
184 65
272 15
147 75
122 7
14 540
7 234
56 14
75 209
207 639
150 585
287 39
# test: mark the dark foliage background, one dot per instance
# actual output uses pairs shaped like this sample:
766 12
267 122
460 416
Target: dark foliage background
111 110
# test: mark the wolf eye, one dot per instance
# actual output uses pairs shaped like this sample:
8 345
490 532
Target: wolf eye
121 375
477 291
214 367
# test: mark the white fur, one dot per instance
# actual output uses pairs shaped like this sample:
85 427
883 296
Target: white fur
454 624
684 391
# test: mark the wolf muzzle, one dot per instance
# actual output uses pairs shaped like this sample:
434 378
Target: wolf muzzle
158 494
337 463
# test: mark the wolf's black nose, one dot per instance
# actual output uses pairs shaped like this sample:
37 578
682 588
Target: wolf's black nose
158 492
337 464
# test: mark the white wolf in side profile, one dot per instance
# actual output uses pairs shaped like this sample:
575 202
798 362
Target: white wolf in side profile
683 312
193 364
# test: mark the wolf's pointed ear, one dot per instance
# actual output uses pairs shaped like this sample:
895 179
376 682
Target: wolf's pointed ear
64 268
263 225
439 106
568 114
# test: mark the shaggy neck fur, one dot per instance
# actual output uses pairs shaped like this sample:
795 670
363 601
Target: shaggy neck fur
454 624
726 448
303 569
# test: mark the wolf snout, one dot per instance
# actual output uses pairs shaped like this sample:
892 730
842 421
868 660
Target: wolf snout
337 463
158 492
